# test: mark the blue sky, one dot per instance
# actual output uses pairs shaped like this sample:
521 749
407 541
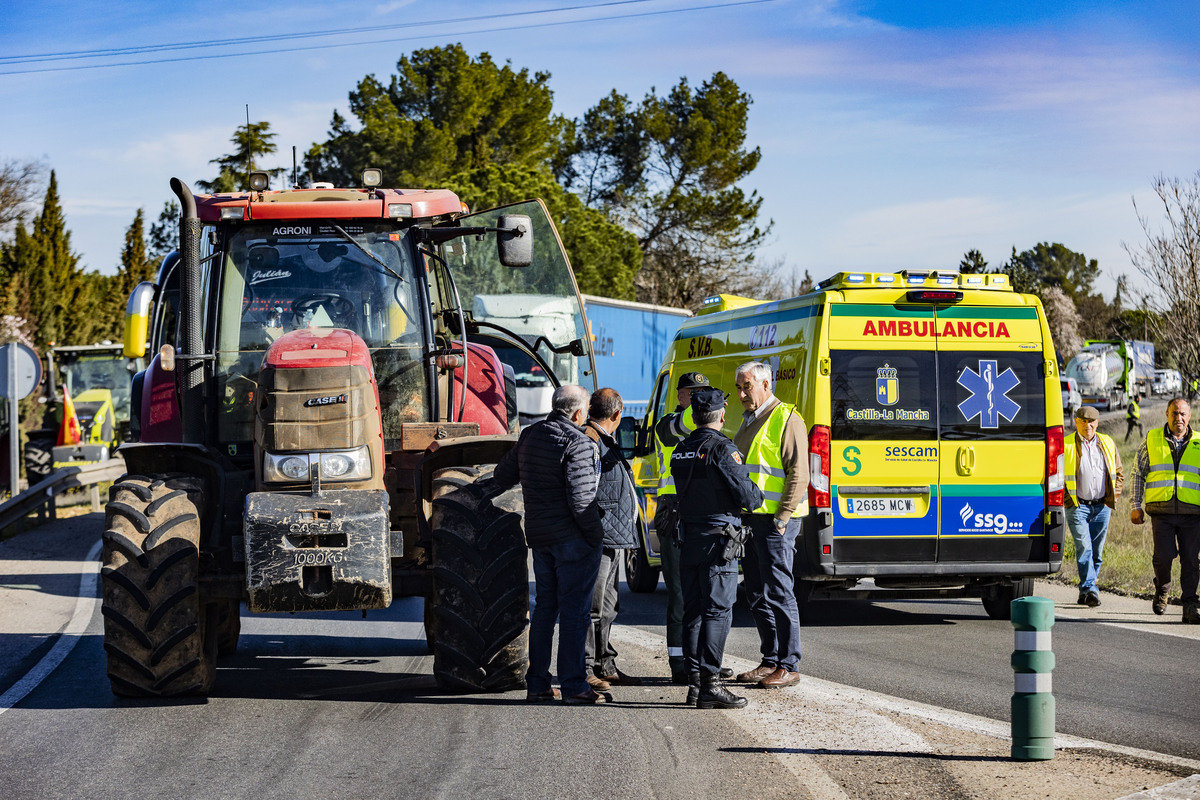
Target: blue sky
894 134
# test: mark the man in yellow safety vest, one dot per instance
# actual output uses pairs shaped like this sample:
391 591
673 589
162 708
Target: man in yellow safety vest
1167 481
1133 417
774 443
1094 477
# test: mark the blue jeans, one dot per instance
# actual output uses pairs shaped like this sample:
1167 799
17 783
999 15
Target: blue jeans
564 577
771 589
1089 528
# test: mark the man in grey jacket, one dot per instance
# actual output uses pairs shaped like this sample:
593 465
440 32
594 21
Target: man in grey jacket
558 468
619 506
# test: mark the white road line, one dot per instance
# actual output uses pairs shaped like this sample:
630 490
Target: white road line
85 606
847 700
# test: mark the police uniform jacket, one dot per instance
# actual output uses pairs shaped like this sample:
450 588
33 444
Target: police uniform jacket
558 468
615 496
712 484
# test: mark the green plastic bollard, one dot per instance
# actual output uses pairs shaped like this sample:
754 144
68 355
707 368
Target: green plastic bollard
1032 663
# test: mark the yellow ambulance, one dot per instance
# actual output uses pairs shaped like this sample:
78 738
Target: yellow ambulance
935 430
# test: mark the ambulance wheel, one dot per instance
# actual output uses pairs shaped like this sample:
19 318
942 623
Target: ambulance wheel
997 599
480 585
640 577
804 590
159 637
39 460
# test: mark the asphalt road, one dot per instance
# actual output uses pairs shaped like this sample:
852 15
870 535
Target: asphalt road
329 705
338 706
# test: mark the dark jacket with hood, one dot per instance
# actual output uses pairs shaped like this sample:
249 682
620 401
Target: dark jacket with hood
615 494
558 468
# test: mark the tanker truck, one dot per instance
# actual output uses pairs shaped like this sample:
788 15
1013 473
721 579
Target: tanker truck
1110 371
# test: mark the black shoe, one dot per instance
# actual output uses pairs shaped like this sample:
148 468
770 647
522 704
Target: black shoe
713 694
1191 613
1082 600
693 693
1093 599
725 674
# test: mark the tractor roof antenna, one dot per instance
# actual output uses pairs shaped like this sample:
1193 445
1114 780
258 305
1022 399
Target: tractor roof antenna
294 171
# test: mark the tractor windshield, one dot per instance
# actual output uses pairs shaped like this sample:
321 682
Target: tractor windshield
278 278
109 371
538 304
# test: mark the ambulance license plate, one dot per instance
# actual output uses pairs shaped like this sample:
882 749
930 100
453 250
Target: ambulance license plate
879 506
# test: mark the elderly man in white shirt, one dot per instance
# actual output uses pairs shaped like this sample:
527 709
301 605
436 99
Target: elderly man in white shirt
1094 481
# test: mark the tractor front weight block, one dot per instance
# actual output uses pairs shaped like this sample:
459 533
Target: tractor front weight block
324 552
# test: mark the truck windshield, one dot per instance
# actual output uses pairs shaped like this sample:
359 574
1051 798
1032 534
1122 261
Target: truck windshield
540 300
277 278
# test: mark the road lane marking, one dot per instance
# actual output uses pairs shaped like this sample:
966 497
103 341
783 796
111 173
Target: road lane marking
888 735
85 607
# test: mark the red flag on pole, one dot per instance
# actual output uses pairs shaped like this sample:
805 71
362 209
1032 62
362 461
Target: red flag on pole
69 432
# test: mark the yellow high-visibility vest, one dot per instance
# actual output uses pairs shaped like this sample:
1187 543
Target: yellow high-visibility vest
1163 481
666 484
1069 459
765 460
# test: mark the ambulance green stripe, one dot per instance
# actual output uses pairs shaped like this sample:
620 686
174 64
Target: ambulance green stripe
993 490
986 312
879 310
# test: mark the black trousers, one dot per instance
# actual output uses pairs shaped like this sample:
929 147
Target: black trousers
1177 535
709 591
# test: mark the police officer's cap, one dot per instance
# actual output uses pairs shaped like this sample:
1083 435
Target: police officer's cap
691 380
708 399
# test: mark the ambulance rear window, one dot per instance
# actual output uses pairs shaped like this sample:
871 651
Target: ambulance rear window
882 394
990 395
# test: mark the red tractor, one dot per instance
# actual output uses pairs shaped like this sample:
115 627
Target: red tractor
330 380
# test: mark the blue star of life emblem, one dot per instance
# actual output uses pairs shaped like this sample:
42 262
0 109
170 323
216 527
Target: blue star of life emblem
989 394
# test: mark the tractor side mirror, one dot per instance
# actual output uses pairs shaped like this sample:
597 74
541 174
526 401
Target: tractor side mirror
514 242
137 319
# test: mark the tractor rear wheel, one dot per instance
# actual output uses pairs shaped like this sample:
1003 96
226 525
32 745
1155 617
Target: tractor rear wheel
480 599
159 636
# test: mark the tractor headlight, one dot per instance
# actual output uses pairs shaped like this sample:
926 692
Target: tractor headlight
342 465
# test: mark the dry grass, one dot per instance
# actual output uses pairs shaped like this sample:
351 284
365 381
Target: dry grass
1126 569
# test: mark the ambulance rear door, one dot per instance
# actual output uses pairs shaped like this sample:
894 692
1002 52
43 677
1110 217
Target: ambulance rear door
884 436
992 433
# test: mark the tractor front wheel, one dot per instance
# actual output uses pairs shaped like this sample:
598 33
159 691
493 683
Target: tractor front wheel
159 637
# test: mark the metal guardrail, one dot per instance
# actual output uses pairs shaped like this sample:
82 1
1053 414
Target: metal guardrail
43 493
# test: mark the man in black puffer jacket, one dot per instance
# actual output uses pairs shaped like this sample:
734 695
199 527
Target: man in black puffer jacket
558 468
619 504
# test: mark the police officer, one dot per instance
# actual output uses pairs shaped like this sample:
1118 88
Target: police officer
713 487
669 431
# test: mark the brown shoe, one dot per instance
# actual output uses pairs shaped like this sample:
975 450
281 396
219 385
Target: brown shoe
588 698
757 674
543 697
619 678
1159 604
599 684
779 678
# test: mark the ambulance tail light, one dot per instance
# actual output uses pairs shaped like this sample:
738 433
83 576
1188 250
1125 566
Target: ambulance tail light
818 467
1055 472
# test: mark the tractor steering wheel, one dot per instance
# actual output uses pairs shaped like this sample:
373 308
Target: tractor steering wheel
337 306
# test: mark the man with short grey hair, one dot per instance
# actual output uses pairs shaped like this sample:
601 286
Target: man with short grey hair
773 441
558 468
